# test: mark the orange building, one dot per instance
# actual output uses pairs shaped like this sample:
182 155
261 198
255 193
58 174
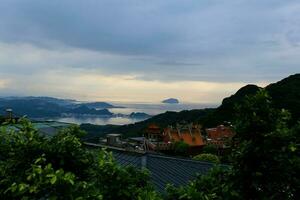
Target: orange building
163 139
190 134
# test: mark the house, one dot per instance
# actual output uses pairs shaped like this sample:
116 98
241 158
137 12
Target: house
113 139
190 134
160 140
219 136
154 139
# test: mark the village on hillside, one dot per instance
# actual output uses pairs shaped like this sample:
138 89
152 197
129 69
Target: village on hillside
192 138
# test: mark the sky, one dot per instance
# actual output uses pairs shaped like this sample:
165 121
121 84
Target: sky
145 51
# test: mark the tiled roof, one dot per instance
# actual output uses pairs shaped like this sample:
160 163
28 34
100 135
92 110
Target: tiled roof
219 132
192 137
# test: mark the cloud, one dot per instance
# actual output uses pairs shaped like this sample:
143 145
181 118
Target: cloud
91 86
169 42
4 83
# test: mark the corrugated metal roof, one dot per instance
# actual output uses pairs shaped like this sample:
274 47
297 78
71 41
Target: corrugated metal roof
172 170
163 169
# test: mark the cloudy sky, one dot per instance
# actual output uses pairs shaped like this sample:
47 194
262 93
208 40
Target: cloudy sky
145 51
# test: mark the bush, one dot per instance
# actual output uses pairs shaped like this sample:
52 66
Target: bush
206 187
35 167
211 149
181 148
207 157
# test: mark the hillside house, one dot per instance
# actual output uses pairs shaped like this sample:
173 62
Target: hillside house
219 136
159 140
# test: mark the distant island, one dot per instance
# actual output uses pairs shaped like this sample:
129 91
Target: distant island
171 101
50 108
100 105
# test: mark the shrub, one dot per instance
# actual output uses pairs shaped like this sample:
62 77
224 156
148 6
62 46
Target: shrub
181 148
207 157
35 167
211 149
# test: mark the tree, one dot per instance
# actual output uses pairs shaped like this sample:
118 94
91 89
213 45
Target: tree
210 148
181 148
35 167
207 157
213 186
265 160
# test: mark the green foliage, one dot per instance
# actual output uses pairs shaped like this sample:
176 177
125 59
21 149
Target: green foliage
35 167
207 157
266 158
181 148
266 166
213 186
210 148
285 94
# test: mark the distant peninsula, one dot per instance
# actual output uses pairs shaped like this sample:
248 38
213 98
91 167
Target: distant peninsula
171 101
46 107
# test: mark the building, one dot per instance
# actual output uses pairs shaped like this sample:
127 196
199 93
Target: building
153 133
189 133
219 136
163 169
160 140
113 139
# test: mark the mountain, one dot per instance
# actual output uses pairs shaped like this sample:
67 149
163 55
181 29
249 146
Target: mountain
139 115
171 101
285 94
47 107
85 110
100 105
62 102
32 107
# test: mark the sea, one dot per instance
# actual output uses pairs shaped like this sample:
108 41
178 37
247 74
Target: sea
128 108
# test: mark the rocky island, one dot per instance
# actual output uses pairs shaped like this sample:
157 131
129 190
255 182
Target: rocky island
171 101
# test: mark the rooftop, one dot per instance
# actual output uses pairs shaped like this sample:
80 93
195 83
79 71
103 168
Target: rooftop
47 128
163 169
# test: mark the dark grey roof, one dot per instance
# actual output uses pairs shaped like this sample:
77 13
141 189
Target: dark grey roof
163 169
172 170
128 158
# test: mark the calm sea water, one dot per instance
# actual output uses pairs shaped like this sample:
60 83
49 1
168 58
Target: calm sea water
151 109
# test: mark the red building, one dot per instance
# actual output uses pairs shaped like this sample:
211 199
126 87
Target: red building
219 136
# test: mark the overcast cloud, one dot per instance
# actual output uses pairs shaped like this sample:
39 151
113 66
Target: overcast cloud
198 51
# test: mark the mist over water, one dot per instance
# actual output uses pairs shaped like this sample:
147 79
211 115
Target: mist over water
151 109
